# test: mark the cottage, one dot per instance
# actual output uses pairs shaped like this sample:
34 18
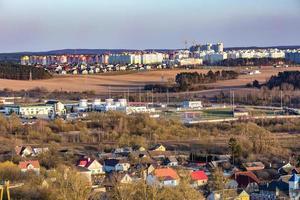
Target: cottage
163 177
31 165
199 178
115 165
171 161
23 151
92 165
158 147
243 196
254 166
246 180
39 150
294 187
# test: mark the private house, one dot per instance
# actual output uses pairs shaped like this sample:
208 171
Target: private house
114 178
294 187
235 195
23 151
247 180
39 150
254 166
158 147
199 178
123 178
92 165
111 165
243 196
286 169
171 161
163 177
31 165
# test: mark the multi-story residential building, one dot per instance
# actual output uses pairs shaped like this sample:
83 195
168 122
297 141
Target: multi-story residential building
28 111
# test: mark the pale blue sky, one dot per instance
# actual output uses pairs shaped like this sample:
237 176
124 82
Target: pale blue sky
35 25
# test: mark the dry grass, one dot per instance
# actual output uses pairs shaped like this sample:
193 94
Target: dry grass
101 83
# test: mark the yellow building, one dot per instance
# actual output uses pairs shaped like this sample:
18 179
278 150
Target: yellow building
243 196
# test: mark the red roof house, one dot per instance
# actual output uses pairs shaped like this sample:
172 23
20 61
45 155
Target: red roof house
92 165
30 165
164 176
199 178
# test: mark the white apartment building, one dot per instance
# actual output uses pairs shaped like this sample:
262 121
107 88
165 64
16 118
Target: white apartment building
152 58
27 111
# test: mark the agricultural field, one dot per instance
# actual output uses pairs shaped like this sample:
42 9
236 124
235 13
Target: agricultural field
118 82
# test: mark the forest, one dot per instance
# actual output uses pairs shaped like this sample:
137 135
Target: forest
19 72
290 78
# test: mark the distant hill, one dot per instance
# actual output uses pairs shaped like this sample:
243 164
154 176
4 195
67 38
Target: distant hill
19 72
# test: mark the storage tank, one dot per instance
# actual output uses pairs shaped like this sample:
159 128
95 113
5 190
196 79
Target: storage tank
96 103
83 103
109 101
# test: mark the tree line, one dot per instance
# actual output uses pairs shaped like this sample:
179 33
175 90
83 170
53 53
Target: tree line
252 62
191 81
290 78
20 72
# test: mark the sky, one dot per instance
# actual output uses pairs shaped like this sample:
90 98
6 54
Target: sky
40 25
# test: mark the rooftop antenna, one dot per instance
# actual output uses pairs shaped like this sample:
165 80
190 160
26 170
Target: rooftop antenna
185 44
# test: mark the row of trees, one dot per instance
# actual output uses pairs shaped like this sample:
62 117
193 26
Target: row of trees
19 72
251 62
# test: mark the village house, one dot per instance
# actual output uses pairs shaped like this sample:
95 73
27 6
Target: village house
39 150
199 178
163 177
31 165
115 165
171 161
23 151
92 165
158 147
294 187
235 195
254 166
246 180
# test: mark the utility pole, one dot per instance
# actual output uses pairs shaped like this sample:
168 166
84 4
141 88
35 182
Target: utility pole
167 97
128 93
281 99
140 96
152 96
109 95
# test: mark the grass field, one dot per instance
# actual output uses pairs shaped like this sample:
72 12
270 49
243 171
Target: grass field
118 82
